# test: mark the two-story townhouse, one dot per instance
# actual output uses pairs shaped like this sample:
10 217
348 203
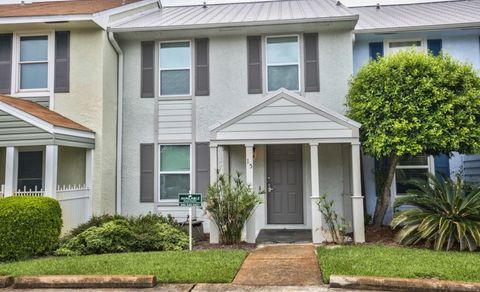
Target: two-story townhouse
58 109
451 27
257 88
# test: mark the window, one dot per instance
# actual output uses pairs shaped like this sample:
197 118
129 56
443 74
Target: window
33 62
396 46
175 68
416 167
283 63
175 171
30 170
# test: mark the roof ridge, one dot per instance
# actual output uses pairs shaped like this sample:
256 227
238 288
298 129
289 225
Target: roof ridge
232 2
409 4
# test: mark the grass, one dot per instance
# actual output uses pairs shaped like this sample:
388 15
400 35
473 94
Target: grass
203 266
388 261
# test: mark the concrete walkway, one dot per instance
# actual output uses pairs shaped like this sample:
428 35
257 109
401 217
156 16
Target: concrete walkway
280 265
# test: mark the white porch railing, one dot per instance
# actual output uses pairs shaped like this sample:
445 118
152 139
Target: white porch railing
30 193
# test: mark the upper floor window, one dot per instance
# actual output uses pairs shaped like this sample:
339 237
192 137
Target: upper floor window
283 69
175 68
396 46
33 63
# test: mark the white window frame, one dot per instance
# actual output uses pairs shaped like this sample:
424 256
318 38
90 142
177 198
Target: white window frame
386 44
430 166
160 172
160 69
16 64
284 64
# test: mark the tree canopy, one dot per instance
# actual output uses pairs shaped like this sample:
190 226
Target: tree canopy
411 102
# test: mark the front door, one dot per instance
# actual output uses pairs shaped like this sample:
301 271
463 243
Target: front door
284 184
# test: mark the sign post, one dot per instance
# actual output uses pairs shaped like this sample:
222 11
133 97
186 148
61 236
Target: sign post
190 201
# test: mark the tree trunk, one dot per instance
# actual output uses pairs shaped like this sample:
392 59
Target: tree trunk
384 199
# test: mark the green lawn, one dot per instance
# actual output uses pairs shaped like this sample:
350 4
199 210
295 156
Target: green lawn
387 261
203 266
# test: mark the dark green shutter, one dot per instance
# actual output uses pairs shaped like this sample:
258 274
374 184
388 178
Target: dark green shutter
254 57
148 73
375 50
147 175
442 165
6 63
202 78
202 167
312 80
434 46
62 61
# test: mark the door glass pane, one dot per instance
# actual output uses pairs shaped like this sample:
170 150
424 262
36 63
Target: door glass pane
282 50
283 76
173 184
34 48
30 170
33 76
175 55
174 158
403 177
175 82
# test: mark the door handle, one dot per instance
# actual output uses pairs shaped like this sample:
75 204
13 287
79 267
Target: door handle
269 187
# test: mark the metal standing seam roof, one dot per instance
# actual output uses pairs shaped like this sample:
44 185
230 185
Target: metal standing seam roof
235 14
448 14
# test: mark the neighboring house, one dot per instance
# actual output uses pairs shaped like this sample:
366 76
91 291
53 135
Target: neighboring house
257 88
451 27
58 109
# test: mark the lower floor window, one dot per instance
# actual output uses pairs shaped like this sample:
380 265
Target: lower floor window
417 167
175 171
30 170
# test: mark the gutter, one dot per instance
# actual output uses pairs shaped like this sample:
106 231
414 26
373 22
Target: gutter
118 179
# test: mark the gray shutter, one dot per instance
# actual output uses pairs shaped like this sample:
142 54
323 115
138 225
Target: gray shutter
62 61
375 50
202 80
5 63
148 65
147 173
202 165
254 55
434 46
312 81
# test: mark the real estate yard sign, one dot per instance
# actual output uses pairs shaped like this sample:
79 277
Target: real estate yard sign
190 201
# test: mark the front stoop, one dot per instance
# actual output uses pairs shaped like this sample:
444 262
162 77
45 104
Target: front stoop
400 284
66 282
280 265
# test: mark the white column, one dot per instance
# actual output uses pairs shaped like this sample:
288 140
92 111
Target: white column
11 166
251 229
214 236
89 180
357 198
51 166
317 234
223 163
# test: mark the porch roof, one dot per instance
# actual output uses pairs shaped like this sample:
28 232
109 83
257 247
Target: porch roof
26 123
285 117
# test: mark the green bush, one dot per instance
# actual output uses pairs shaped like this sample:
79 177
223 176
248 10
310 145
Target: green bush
230 206
132 234
441 212
29 226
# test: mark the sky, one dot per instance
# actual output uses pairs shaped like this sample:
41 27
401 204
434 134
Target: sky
350 3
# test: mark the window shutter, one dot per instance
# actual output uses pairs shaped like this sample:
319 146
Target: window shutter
254 55
375 50
202 80
202 165
147 173
434 46
312 81
5 63
442 165
147 75
62 61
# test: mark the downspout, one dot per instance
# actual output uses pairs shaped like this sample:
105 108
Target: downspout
118 190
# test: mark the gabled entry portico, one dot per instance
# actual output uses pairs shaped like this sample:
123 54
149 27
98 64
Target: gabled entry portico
298 127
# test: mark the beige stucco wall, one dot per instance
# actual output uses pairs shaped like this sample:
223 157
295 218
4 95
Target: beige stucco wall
71 166
92 103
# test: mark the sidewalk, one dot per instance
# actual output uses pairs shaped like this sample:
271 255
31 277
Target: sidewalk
280 265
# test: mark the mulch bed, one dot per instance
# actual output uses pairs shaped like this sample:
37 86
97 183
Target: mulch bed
382 234
205 244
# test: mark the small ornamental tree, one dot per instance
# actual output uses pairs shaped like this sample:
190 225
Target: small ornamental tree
412 103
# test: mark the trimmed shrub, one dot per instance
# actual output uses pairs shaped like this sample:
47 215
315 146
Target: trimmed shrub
133 234
29 226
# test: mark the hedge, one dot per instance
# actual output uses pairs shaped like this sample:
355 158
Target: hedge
29 226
